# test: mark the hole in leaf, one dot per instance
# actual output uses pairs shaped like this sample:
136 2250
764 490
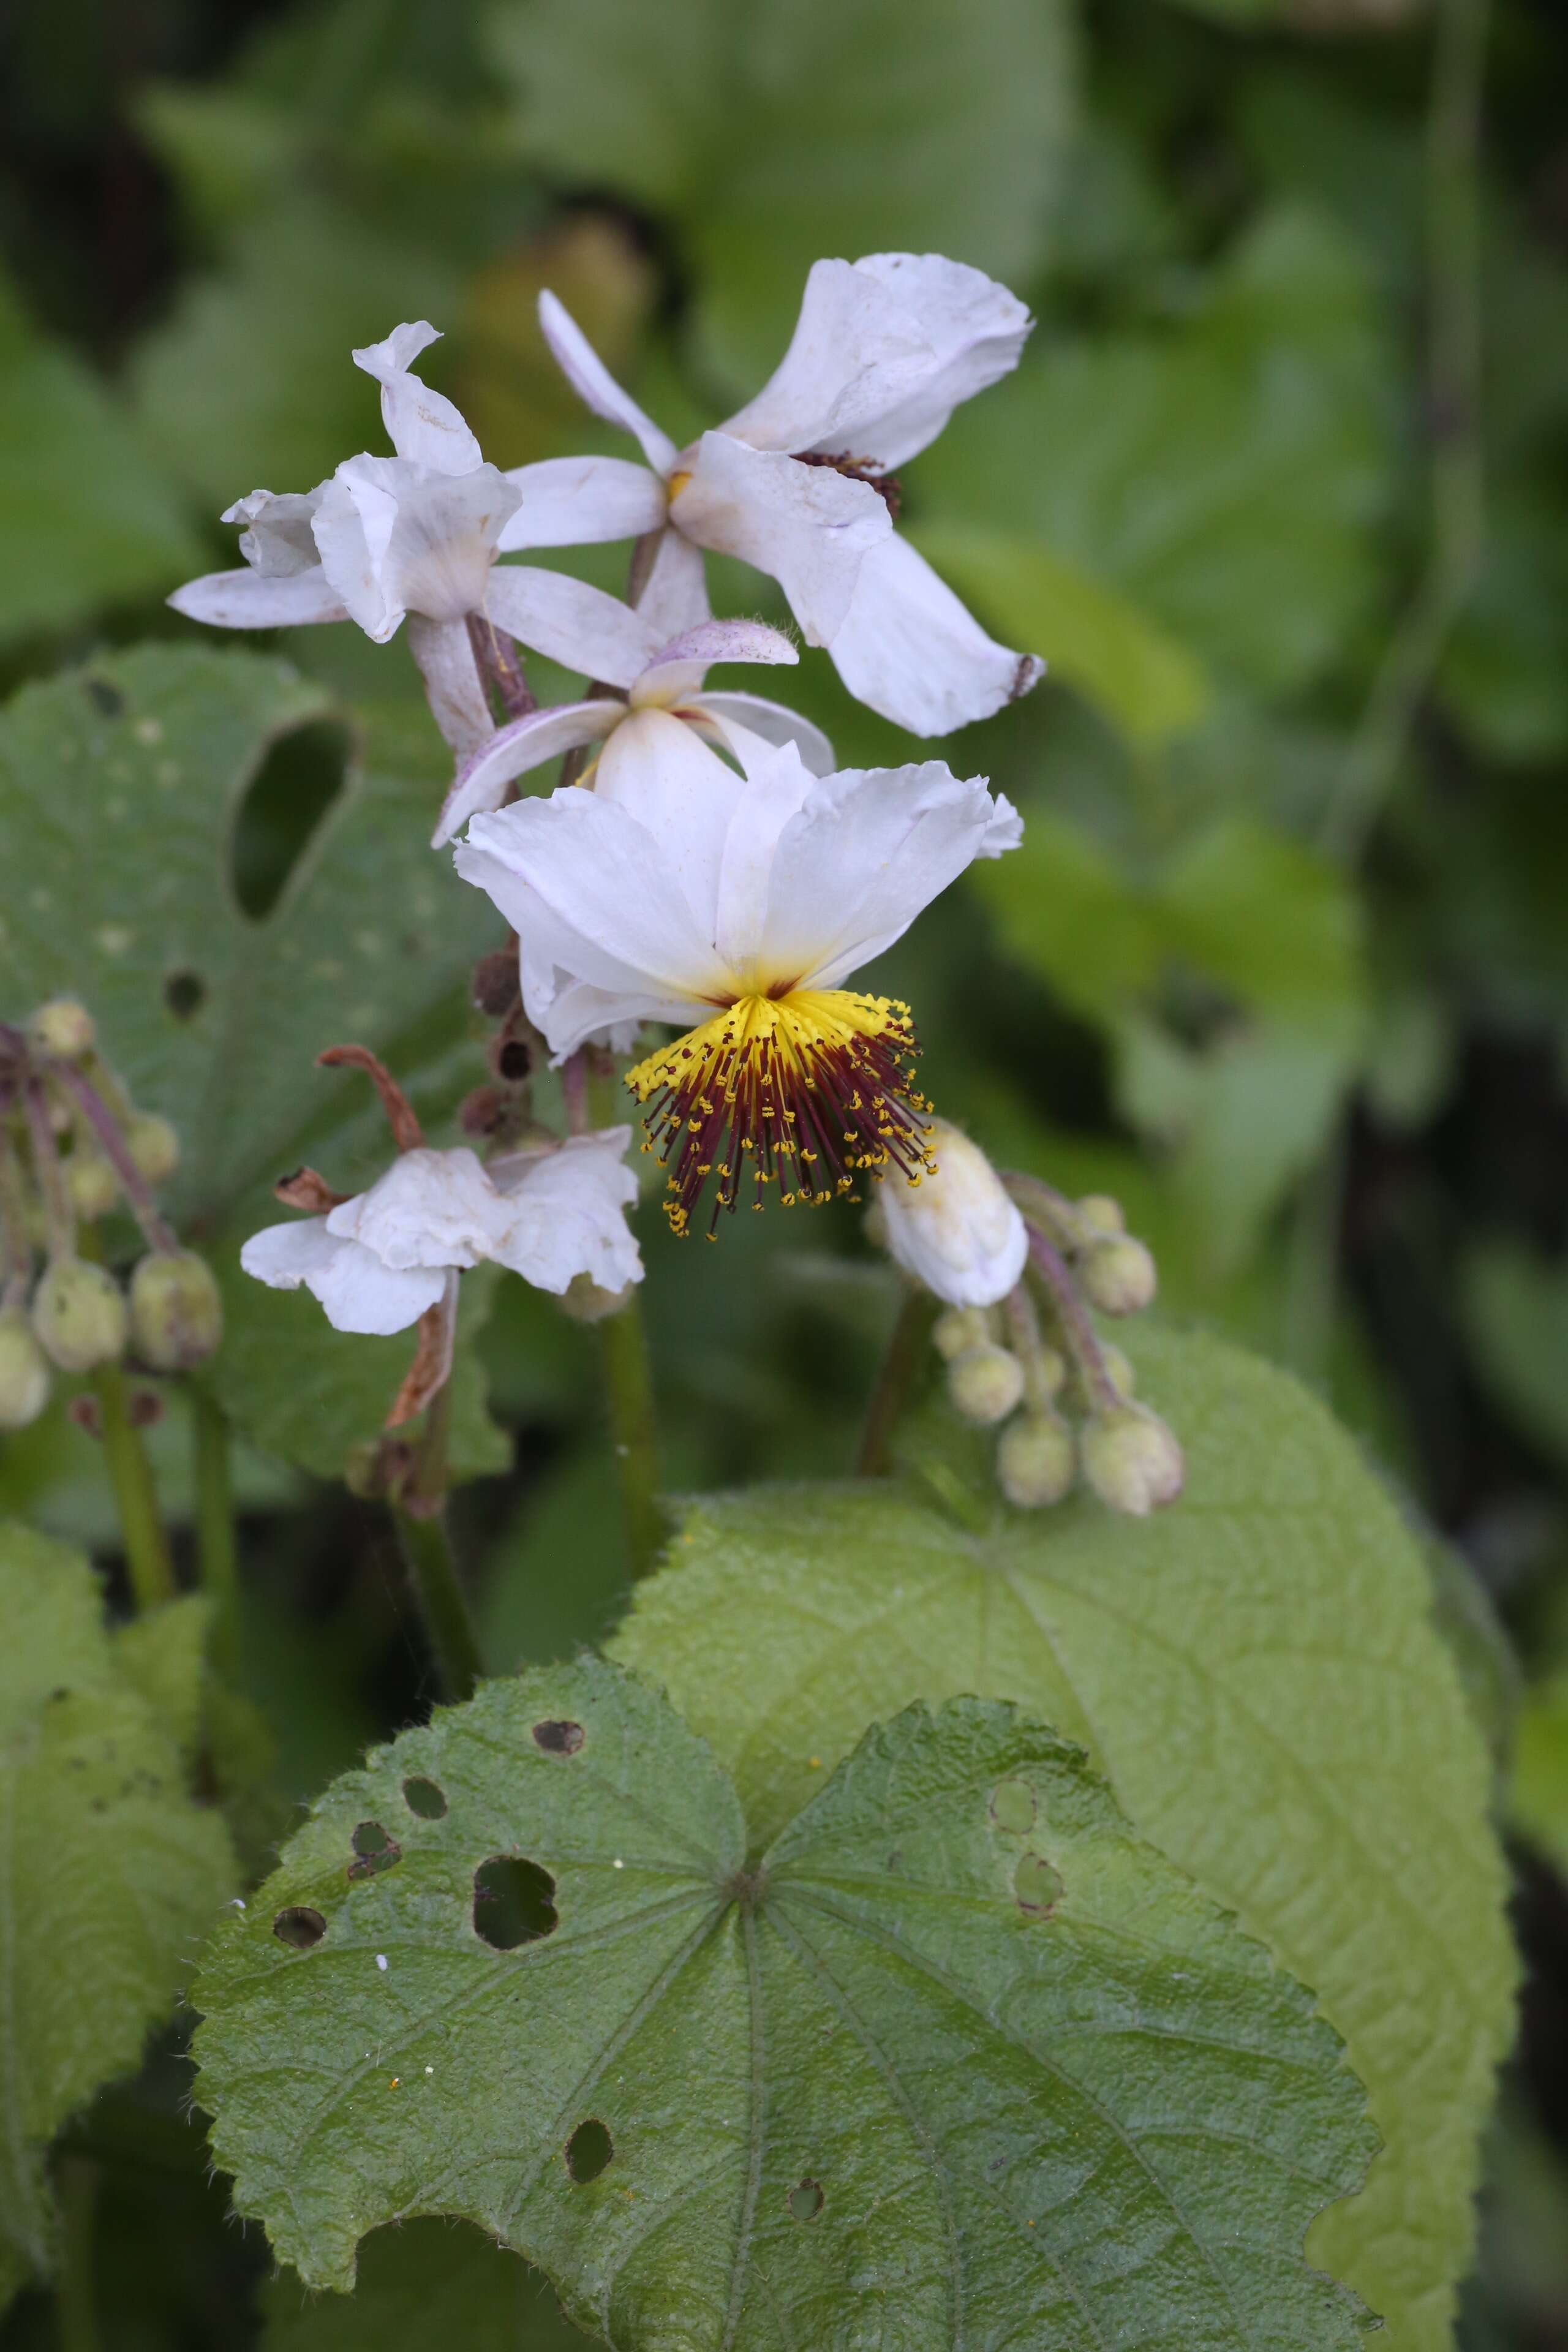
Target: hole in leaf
804 2199
1036 1885
589 2150
424 1798
559 1739
512 1902
300 1926
184 993
373 1851
105 697
290 793
1013 1806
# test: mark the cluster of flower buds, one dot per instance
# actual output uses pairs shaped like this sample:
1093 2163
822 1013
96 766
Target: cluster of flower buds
73 1148
1019 1267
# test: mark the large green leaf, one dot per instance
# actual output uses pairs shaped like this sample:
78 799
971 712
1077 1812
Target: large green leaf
1257 1673
108 1870
801 130
951 2051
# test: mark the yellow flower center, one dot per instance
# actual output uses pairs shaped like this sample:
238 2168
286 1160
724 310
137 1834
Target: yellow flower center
812 1089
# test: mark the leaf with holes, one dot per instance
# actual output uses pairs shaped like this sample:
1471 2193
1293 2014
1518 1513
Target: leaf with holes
108 1872
1257 1672
937 2046
124 800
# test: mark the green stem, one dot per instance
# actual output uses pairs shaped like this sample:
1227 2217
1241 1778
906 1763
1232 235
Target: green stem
147 1554
896 1376
75 2304
634 1433
217 1552
427 1549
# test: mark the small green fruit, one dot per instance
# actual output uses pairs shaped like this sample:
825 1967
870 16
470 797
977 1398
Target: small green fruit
984 1384
79 1316
176 1315
24 1372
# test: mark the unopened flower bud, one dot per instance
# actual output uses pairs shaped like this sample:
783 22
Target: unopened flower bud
153 1145
984 1384
959 1330
24 1372
63 1028
1131 1460
1036 1461
1118 1277
91 1183
1118 1367
1100 1214
1046 1375
176 1315
956 1229
78 1315
586 1301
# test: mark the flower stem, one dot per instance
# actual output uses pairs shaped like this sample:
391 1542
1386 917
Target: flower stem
76 2303
896 1377
427 1549
217 1556
634 1434
1073 1316
138 1191
147 1555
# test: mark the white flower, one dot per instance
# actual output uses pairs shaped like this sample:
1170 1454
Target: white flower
417 535
377 1262
797 482
734 905
667 691
958 1232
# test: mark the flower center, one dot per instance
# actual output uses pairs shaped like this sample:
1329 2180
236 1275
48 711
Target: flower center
812 1089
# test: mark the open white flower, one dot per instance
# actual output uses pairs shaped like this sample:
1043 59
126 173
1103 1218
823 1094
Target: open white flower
798 483
667 691
378 1260
958 1233
734 905
417 535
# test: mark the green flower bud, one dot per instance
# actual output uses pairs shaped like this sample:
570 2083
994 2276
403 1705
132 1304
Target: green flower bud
176 1315
1131 1460
1046 1376
153 1145
1100 1214
586 1301
1123 1379
1035 1460
1118 1277
960 1330
78 1315
24 1372
91 1183
985 1383
63 1028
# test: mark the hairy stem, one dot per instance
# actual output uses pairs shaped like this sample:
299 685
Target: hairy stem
454 1644
896 1377
634 1434
1073 1316
147 1555
217 1552
138 1191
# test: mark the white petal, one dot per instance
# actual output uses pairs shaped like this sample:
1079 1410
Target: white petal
568 1214
359 1293
353 530
397 537
870 847
434 1209
481 781
957 1232
1005 831
592 381
458 705
975 330
657 769
578 501
572 624
679 668
245 600
856 349
277 541
674 596
737 716
909 649
807 526
777 784
421 425
606 931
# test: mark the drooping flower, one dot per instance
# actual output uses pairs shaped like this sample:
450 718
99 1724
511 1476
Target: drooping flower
799 482
958 1233
667 690
378 1260
415 536
735 906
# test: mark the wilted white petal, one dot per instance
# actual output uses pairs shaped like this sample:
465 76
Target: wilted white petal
593 383
679 668
855 351
975 330
809 527
422 424
481 783
569 623
359 1292
957 1231
445 654
568 1209
278 541
1005 831
674 596
397 353
736 717
245 600
429 1209
397 537
579 501
907 648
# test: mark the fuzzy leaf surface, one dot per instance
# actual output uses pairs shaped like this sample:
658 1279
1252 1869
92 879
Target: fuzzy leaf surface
956 2053
1257 1673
